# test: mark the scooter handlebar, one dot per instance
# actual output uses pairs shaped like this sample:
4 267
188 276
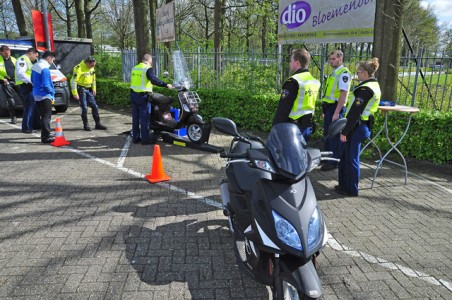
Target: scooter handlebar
232 155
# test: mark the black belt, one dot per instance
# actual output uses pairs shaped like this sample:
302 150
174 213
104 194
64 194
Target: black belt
139 93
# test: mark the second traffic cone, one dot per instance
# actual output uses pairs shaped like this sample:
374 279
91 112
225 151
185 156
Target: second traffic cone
157 173
59 136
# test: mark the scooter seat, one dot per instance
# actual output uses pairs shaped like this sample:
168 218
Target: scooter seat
161 99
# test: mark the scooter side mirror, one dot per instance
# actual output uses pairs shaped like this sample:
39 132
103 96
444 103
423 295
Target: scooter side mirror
225 126
336 127
314 156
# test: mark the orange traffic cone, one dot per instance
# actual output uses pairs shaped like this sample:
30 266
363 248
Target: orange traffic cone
59 136
157 173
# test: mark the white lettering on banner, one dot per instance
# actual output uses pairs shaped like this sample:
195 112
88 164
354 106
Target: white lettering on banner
292 15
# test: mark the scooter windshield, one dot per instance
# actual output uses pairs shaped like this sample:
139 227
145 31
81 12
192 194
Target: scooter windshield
181 72
288 148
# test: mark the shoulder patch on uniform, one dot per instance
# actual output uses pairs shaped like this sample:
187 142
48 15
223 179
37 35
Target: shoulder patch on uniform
359 101
284 94
22 58
21 64
345 79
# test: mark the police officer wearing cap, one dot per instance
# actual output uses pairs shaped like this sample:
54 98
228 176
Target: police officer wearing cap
141 83
30 117
334 100
83 88
359 114
7 80
299 94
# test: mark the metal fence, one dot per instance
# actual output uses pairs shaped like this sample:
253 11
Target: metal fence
425 78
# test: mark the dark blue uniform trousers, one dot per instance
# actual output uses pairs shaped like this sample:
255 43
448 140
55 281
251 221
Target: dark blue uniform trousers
30 117
141 110
349 165
333 144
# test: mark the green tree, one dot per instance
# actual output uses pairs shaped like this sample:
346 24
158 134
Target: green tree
420 24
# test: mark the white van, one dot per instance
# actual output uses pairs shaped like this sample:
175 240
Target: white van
62 93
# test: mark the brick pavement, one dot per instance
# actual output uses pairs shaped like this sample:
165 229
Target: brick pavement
79 223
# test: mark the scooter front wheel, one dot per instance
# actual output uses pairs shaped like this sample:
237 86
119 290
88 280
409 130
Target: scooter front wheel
197 132
289 292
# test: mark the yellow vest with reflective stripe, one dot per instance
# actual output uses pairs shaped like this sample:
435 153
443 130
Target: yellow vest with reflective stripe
3 68
308 90
372 105
28 72
83 76
138 79
332 91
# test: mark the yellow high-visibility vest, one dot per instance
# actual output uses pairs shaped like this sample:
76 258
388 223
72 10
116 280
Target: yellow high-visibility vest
3 73
372 105
28 71
332 91
308 90
138 79
83 76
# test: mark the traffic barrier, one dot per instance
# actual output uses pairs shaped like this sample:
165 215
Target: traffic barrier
157 173
59 136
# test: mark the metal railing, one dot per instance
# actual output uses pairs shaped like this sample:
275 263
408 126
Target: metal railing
425 77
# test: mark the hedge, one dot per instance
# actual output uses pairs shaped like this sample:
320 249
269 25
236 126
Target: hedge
429 137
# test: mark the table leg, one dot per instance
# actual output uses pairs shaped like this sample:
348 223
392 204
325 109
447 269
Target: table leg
393 147
372 141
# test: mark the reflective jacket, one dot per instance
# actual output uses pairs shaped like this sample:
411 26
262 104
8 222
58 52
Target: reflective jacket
332 91
83 76
372 104
308 90
23 63
3 73
138 79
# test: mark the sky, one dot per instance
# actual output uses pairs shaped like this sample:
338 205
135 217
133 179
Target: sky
442 10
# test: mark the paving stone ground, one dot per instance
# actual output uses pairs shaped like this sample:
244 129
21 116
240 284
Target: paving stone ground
80 223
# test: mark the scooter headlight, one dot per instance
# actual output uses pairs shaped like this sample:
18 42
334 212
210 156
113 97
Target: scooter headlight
286 232
264 165
314 228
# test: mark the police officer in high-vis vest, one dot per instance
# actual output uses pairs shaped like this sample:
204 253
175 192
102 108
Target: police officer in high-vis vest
141 82
334 100
30 117
7 80
299 94
359 114
83 88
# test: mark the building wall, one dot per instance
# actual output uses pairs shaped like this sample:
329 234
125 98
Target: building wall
70 52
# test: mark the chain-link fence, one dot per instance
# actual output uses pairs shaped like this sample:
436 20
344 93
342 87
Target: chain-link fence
425 78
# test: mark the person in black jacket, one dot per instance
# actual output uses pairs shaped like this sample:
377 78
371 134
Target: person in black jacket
359 114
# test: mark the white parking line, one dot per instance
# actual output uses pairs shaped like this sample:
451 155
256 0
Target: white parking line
123 155
386 264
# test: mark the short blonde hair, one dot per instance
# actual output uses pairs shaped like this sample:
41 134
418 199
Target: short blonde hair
338 53
370 66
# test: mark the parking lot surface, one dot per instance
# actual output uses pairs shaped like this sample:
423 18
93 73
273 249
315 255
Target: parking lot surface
81 222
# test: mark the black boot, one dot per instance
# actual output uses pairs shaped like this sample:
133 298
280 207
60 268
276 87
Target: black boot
12 114
99 124
86 126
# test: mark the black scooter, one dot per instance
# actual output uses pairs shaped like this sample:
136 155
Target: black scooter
272 209
162 121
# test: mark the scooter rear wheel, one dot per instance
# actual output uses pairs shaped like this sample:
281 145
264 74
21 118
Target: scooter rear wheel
197 132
